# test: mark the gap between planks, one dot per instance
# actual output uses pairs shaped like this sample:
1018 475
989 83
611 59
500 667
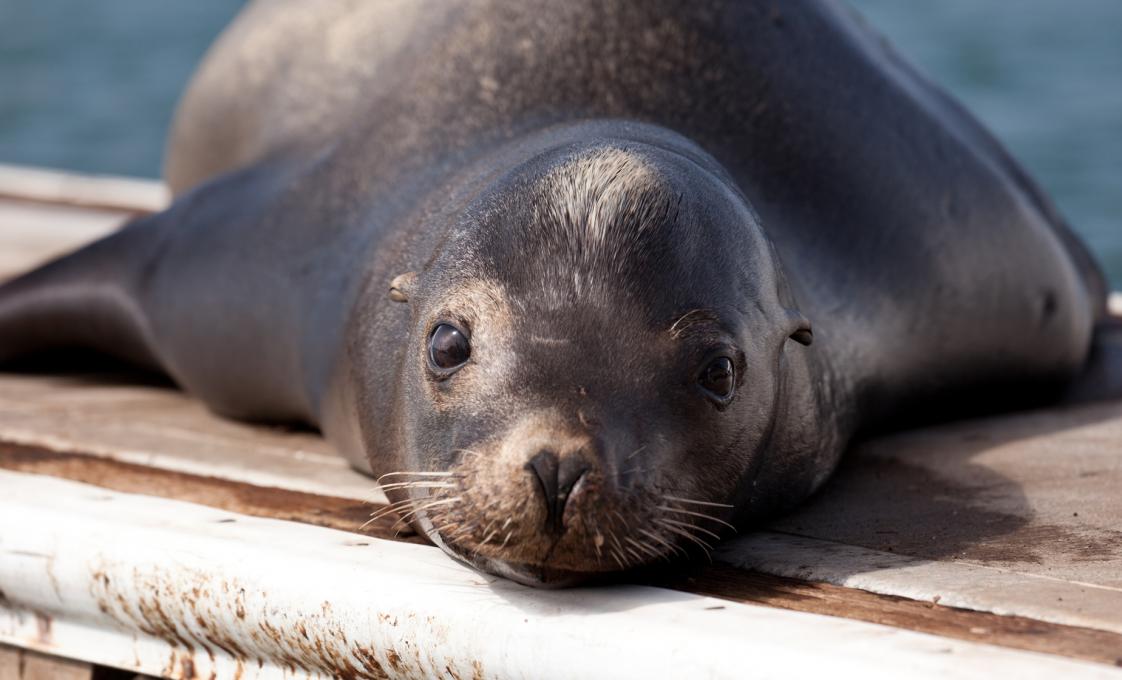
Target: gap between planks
719 581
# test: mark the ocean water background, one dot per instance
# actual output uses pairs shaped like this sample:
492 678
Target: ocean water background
91 86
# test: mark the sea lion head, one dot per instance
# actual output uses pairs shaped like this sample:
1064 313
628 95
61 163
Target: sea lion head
594 366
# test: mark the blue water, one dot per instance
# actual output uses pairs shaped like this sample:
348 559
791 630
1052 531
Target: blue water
1046 77
91 85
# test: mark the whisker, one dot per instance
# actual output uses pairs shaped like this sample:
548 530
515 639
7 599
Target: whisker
692 527
679 326
638 469
418 485
660 539
680 532
654 551
693 539
401 502
465 530
386 511
615 540
426 506
416 474
635 555
689 500
641 547
650 549
636 452
697 514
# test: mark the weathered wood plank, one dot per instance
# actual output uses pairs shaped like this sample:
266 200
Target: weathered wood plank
87 191
33 233
23 664
154 425
335 512
1018 514
1016 632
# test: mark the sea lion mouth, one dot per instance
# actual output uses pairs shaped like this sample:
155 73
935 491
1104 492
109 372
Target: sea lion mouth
508 525
534 575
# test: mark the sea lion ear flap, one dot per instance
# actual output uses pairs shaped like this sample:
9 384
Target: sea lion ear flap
402 286
798 325
802 332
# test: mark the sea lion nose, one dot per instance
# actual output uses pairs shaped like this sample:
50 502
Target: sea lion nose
556 479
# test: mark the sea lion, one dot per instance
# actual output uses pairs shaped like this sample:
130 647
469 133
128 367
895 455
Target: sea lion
583 283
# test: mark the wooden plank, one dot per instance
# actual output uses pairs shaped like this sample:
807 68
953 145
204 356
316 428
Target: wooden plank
87 191
1016 632
118 416
22 664
716 581
955 583
336 512
1015 514
45 213
33 233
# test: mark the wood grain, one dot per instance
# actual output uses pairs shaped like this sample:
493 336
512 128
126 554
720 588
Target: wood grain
23 664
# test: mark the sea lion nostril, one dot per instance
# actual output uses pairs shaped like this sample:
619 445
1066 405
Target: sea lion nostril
568 474
556 480
544 466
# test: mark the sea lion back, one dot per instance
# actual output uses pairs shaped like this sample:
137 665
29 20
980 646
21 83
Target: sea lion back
285 75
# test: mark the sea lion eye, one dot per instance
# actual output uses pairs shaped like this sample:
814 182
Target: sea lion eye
448 347
718 378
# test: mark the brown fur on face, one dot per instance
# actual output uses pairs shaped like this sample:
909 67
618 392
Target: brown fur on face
491 509
482 309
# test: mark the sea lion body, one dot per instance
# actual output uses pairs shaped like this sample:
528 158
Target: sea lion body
604 197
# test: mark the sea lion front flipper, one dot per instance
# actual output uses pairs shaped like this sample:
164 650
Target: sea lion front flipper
81 300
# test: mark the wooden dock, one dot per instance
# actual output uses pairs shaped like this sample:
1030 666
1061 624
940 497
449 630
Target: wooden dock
140 532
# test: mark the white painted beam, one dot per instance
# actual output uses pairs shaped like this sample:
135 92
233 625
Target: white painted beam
172 588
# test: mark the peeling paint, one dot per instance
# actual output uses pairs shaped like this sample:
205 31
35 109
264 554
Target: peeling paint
43 626
156 585
189 609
